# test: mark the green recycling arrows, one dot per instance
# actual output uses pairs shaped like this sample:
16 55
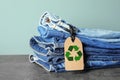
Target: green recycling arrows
76 48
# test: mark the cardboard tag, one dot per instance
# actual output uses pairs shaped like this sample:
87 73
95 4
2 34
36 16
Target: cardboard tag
73 53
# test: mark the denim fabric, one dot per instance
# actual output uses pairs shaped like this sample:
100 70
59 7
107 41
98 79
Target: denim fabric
101 47
104 57
49 42
92 62
92 47
93 59
86 40
103 64
92 50
102 61
49 50
47 32
44 48
49 67
53 21
96 33
100 34
50 59
47 54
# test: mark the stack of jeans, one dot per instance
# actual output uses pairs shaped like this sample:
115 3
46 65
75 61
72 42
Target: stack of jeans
47 53
101 47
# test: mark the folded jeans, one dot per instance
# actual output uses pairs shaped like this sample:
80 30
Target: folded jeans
61 25
50 59
49 67
92 62
49 50
87 41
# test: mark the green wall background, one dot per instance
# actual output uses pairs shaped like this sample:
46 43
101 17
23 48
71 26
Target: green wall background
19 19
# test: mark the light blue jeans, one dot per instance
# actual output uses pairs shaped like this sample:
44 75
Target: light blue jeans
92 47
101 47
99 42
55 22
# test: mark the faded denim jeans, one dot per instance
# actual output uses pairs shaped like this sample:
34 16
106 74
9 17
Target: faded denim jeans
59 36
55 22
94 59
101 47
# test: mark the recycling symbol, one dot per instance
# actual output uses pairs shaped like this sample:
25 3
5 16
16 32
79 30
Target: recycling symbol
68 53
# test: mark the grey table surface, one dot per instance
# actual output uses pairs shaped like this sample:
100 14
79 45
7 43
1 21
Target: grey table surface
18 67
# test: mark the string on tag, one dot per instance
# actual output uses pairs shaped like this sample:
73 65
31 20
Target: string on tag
72 31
